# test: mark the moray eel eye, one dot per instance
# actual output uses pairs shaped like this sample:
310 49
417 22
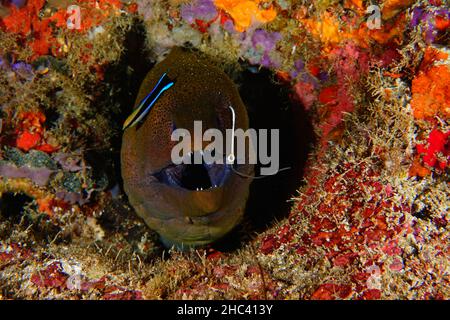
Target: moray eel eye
189 205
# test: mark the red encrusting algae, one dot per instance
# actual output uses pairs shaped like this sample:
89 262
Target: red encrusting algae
30 133
354 235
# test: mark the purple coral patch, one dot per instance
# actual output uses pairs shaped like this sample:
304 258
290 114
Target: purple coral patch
40 176
428 17
265 41
201 9
68 162
20 69
264 44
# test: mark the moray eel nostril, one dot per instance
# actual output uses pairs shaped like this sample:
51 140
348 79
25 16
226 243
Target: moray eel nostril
189 205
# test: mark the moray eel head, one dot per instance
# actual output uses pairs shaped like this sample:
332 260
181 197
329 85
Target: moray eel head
189 205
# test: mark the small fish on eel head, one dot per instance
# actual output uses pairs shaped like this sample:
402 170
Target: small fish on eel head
188 205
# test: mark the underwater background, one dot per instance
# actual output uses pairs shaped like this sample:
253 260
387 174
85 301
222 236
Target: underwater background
358 88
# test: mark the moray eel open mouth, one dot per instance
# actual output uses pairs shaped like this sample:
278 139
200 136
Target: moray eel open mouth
196 202
195 177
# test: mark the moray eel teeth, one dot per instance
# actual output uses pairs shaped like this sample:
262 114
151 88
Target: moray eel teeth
197 177
188 205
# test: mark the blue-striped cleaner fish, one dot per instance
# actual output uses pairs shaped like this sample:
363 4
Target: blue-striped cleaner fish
147 103
188 205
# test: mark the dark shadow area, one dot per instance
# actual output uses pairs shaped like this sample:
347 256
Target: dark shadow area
13 205
270 107
125 78
19 209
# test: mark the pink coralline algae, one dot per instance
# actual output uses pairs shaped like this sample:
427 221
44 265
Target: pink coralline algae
50 277
331 291
351 63
352 235
53 276
305 92
13 253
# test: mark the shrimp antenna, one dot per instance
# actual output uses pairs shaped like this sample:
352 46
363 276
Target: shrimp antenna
231 157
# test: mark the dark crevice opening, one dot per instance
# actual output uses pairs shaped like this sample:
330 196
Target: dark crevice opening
127 75
270 107
12 205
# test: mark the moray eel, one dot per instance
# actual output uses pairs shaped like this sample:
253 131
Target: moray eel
165 195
